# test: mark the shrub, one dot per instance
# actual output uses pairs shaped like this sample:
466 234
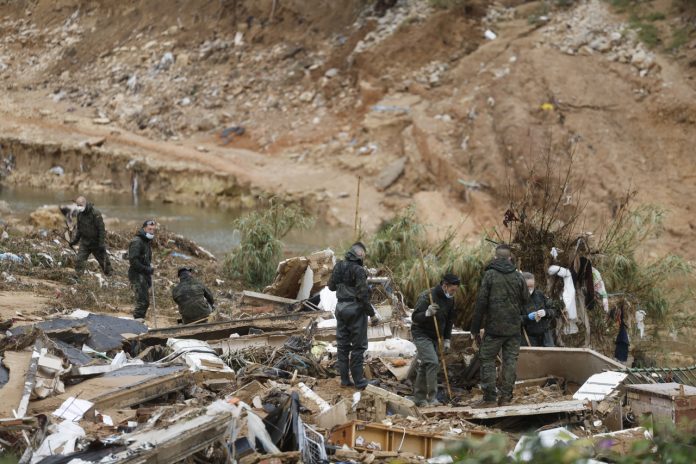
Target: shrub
255 260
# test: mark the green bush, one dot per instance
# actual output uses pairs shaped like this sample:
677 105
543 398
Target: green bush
255 261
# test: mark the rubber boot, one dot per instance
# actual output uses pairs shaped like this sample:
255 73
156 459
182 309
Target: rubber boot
345 380
359 378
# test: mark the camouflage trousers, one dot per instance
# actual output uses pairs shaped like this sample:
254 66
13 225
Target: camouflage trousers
490 348
141 286
100 255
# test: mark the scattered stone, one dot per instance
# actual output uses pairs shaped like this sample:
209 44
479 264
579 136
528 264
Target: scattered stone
307 96
333 72
166 62
391 173
101 121
202 149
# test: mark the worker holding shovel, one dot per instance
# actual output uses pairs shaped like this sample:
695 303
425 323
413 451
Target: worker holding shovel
432 324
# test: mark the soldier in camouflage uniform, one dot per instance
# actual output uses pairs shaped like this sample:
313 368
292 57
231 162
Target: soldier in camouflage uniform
91 235
140 270
349 281
500 306
194 300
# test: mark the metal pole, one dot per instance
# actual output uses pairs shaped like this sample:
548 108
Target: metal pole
437 328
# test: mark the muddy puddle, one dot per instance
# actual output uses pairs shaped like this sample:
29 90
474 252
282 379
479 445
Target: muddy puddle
209 227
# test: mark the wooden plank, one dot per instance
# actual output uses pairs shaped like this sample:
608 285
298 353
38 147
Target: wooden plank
221 330
512 410
17 362
20 423
176 442
266 298
141 392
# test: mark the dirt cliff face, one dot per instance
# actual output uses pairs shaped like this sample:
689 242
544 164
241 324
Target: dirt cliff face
221 102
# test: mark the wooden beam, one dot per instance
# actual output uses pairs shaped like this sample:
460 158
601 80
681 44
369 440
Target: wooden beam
141 392
20 423
264 297
222 330
175 442
507 411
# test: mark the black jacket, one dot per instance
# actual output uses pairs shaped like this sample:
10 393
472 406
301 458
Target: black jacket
349 281
424 326
538 301
90 228
139 255
501 300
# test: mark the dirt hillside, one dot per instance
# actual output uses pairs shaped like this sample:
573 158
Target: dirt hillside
300 98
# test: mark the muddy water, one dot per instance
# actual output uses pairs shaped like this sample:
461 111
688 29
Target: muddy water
213 229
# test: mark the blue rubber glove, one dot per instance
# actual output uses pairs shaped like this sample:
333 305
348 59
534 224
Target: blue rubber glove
531 316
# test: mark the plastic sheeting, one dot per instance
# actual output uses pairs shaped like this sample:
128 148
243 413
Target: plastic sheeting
568 297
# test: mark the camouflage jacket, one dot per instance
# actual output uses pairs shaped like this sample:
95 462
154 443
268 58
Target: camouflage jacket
501 300
90 228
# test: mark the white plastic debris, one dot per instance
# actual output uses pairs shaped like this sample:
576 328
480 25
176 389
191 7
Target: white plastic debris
327 324
568 297
328 300
198 355
57 171
390 348
524 448
490 35
73 409
640 322
61 441
554 253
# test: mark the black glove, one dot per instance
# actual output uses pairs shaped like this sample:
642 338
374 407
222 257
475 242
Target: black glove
478 339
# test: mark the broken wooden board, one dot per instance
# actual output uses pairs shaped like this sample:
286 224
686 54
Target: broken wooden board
17 362
221 330
232 344
142 392
266 298
20 423
96 388
175 442
512 410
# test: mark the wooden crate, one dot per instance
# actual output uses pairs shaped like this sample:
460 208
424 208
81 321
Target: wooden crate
361 435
